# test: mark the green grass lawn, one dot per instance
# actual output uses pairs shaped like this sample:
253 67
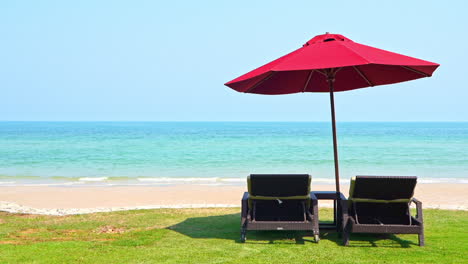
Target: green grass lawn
212 236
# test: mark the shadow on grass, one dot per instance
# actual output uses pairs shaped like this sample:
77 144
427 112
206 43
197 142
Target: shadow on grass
379 240
370 240
228 227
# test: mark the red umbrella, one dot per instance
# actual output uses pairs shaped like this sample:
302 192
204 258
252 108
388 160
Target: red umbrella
332 63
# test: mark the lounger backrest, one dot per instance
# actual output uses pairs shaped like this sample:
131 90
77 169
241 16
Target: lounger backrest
283 186
382 188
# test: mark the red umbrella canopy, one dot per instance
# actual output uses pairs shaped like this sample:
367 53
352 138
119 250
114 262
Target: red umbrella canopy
331 57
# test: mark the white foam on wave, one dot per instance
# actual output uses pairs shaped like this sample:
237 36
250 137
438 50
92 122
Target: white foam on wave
167 180
93 179
233 180
7 182
162 181
52 184
327 181
207 180
443 180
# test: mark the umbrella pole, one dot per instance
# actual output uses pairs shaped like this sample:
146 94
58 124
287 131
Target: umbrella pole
331 80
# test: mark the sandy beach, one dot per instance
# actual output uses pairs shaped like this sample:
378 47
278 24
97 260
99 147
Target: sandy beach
72 200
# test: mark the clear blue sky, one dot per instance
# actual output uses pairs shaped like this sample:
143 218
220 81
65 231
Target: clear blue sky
168 60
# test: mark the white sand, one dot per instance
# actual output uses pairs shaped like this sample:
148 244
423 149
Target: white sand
79 200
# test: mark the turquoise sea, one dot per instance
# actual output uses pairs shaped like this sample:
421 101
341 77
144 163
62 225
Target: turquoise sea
158 153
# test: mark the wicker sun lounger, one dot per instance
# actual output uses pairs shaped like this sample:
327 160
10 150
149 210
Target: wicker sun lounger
381 204
279 202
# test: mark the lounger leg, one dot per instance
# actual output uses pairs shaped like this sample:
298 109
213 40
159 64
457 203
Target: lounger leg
315 218
419 217
316 238
243 230
243 235
343 216
421 238
346 232
339 219
244 216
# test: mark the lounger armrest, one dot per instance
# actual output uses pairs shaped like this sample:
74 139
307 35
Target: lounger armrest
416 201
314 211
244 208
343 202
419 212
342 197
313 204
245 197
313 196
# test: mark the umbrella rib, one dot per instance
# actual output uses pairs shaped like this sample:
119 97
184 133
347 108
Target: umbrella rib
260 82
416 71
308 80
322 72
337 70
327 72
363 76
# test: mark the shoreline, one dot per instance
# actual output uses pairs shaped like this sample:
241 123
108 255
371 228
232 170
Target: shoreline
60 200
14 181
